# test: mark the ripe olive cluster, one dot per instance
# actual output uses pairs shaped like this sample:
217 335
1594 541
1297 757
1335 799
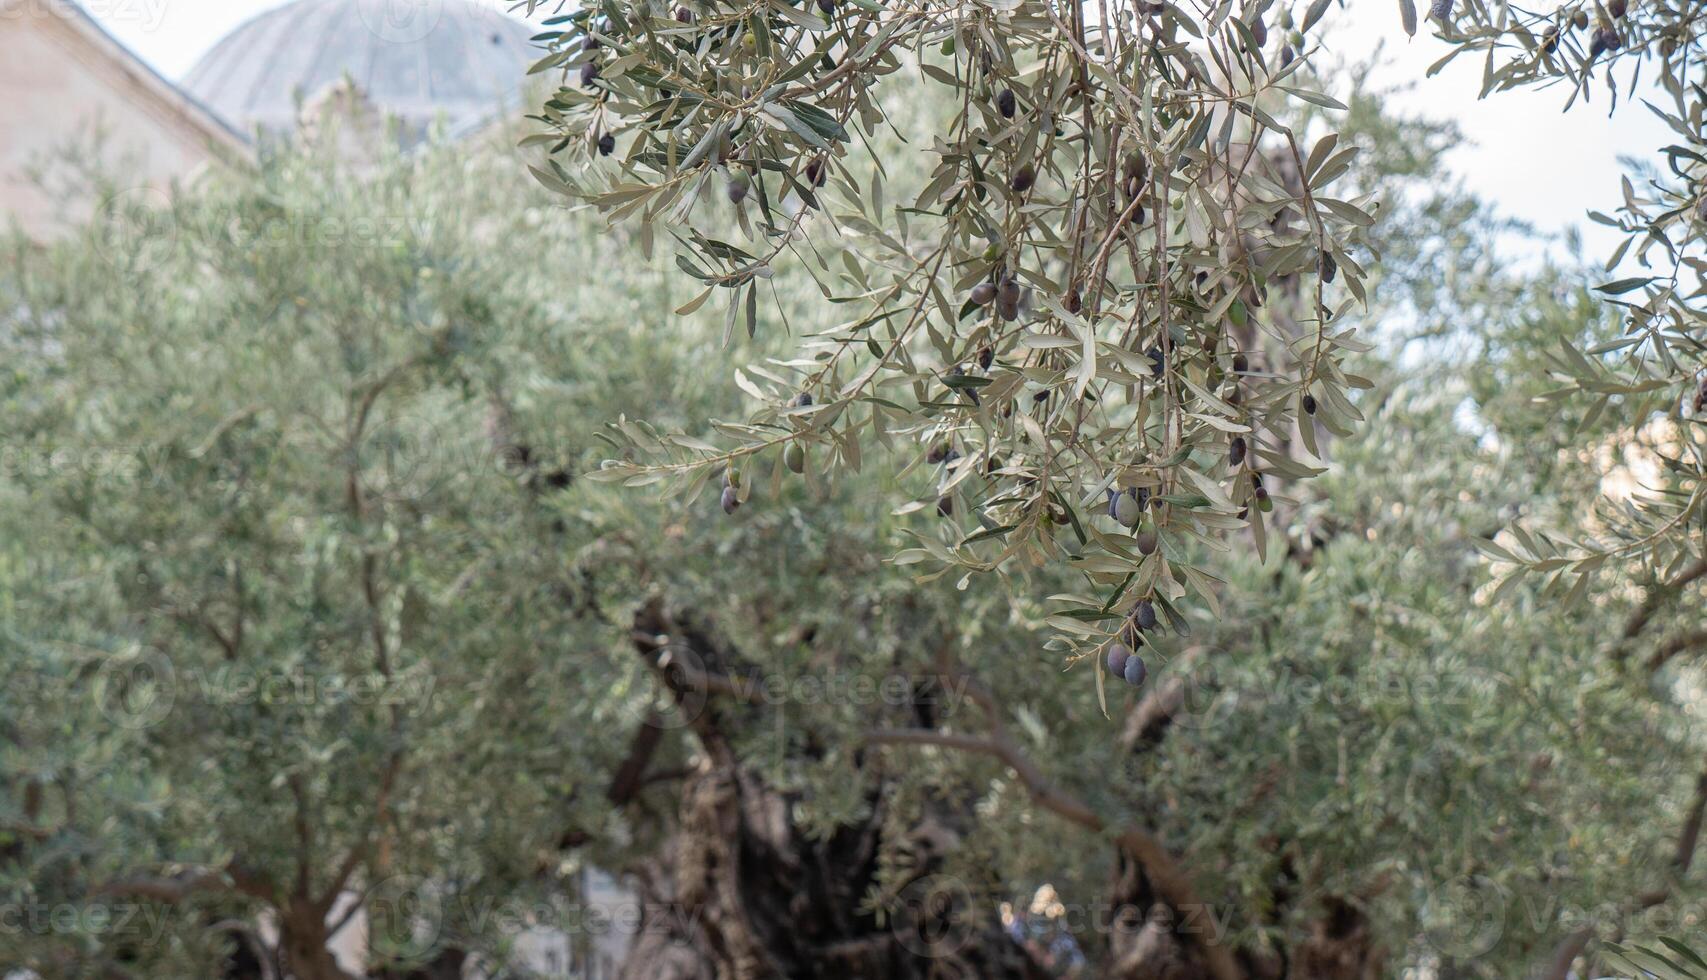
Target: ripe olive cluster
1603 39
1123 659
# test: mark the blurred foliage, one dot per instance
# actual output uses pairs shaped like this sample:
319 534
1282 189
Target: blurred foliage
301 577
1647 374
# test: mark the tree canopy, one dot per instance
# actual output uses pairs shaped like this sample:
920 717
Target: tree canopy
333 587
1102 288
407 663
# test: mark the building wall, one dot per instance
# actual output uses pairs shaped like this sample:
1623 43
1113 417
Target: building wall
61 82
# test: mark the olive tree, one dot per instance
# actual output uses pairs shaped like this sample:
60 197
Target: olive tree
1650 378
334 428
282 642
1089 249
1640 391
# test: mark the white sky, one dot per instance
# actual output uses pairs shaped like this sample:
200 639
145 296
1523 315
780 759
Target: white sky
1533 161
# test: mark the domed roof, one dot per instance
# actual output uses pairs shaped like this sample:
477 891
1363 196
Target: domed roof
416 59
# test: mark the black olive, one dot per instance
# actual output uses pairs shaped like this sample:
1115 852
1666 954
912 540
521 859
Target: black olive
1135 671
1117 657
737 187
1007 299
1144 615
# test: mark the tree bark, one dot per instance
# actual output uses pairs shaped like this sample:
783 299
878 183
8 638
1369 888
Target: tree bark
302 941
741 893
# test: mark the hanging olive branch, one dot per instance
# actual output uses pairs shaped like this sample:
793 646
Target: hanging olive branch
1097 353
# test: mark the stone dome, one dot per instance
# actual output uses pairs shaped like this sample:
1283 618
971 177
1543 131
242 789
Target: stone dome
418 60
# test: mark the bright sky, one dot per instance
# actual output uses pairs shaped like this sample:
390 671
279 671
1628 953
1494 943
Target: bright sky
1535 162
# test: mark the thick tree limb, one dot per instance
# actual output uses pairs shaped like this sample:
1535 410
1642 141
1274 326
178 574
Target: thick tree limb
358 852
654 632
1691 835
1676 645
1170 881
235 877
631 774
1042 791
1657 596
166 890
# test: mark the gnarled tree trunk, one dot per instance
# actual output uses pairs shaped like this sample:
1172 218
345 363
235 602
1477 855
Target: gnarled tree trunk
741 893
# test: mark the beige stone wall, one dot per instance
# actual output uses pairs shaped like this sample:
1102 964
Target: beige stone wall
61 81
